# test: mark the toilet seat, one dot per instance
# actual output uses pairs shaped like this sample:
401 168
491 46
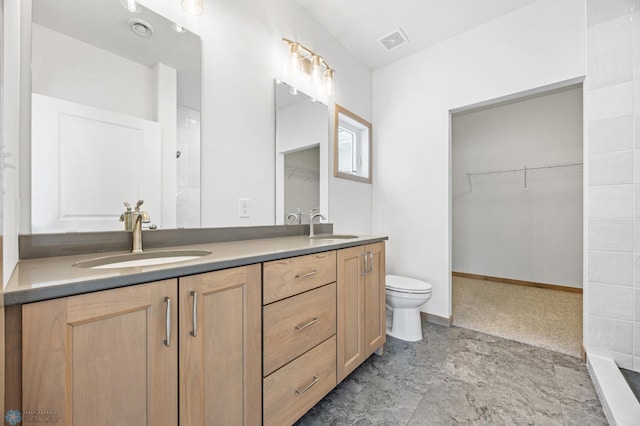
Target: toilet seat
407 285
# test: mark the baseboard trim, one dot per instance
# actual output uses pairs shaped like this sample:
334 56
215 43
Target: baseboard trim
583 352
435 319
518 282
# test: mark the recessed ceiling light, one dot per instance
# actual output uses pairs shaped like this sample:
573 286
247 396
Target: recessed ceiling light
394 39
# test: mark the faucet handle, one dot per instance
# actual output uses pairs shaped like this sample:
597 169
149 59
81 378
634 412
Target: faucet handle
128 206
138 204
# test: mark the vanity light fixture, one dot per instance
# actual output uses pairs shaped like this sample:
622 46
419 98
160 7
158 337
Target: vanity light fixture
194 7
305 61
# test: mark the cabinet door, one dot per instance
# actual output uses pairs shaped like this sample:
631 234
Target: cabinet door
375 299
102 358
220 348
350 315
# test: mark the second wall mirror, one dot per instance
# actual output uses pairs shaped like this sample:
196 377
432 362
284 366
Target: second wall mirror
352 150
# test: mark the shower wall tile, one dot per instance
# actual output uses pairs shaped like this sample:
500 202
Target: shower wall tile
610 52
636 364
611 301
613 134
636 343
612 267
611 334
611 168
611 234
636 304
611 101
636 236
599 11
636 270
611 200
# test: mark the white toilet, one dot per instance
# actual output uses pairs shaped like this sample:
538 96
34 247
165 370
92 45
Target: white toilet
404 297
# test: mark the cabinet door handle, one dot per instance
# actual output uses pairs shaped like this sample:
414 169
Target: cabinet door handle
370 262
167 341
313 321
308 274
366 264
194 332
309 386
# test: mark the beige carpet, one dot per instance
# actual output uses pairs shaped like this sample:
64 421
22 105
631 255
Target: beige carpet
544 318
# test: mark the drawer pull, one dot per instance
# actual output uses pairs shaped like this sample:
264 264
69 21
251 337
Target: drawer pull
309 386
313 321
167 340
308 274
194 332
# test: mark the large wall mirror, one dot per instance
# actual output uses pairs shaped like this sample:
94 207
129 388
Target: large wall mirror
302 132
115 116
352 146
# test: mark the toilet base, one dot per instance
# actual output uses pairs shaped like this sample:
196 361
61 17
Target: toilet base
405 324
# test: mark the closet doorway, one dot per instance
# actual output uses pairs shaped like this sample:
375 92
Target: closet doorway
517 213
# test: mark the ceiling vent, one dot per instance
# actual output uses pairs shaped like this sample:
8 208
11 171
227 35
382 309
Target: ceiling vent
141 27
394 39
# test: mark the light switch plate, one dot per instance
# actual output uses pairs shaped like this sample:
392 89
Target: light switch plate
244 207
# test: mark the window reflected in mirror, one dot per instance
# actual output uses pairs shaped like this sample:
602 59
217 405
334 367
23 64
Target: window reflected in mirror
352 150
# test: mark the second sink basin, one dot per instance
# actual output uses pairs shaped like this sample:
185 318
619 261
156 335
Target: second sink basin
333 237
147 258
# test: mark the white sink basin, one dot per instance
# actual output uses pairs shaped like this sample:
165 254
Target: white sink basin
147 258
333 237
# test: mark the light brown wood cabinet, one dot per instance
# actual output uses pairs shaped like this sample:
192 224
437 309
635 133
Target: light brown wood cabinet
299 311
102 358
190 351
361 305
220 348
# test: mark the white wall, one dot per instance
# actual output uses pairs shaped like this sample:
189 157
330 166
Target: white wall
612 297
99 78
537 45
500 229
242 54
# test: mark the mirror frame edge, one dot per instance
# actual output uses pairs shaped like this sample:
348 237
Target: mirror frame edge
336 173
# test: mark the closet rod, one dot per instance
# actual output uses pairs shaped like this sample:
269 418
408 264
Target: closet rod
525 168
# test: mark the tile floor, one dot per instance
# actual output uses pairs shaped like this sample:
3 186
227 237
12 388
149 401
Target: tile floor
458 376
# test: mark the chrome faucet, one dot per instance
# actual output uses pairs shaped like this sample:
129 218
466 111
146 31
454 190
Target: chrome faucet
138 217
297 216
312 216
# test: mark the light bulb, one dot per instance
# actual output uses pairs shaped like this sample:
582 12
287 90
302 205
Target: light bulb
328 81
294 50
194 7
131 5
316 69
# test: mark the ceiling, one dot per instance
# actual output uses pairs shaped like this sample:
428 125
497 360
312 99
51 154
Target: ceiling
359 24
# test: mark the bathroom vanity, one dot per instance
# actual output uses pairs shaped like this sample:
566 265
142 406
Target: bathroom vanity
257 332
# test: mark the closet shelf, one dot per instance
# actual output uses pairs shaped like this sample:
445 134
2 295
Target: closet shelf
524 169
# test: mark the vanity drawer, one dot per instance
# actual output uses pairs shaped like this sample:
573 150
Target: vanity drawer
293 326
288 277
295 388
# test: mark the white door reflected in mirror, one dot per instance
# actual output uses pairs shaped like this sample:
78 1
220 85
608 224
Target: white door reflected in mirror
352 146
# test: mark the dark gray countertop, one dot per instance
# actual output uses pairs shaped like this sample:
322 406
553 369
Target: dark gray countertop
48 278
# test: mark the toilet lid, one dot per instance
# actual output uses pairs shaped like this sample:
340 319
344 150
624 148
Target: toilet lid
407 285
